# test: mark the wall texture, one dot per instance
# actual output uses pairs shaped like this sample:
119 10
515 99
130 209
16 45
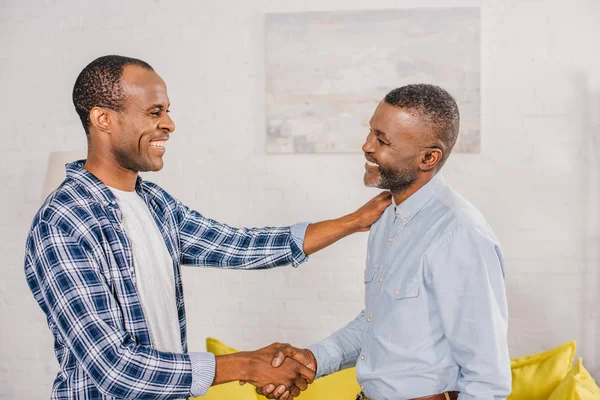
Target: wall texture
536 178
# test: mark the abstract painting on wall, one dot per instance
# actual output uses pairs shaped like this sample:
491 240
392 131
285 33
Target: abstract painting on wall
326 72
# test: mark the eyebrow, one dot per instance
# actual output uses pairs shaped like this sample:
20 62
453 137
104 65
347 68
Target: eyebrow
159 106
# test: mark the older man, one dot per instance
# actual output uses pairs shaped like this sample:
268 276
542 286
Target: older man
104 252
435 319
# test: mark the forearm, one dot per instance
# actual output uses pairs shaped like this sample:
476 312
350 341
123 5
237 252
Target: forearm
322 234
341 349
231 367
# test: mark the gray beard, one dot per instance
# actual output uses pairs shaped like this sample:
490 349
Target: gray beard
396 182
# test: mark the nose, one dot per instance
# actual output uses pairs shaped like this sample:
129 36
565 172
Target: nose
167 124
368 146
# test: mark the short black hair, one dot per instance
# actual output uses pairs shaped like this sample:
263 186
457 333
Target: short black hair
435 107
99 85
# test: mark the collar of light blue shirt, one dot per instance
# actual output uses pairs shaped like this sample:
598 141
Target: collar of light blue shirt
411 206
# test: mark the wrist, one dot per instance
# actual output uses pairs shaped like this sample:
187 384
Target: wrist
244 365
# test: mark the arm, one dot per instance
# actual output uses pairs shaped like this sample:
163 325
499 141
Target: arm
341 349
206 242
66 281
468 283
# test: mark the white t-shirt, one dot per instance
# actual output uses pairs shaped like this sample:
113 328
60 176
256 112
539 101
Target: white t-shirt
154 275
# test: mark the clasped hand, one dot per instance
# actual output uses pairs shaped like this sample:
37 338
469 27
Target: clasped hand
281 371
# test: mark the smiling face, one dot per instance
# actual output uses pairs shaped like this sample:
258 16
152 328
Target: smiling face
142 128
394 149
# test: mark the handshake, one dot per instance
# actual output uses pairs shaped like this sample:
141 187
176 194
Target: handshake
279 371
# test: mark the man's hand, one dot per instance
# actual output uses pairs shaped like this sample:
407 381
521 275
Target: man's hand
368 214
284 352
291 375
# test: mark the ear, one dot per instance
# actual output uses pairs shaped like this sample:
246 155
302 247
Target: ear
102 119
431 157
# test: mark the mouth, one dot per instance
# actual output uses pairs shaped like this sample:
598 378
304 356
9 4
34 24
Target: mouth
158 146
159 143
370 165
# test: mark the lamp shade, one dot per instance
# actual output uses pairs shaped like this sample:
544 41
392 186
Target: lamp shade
55 172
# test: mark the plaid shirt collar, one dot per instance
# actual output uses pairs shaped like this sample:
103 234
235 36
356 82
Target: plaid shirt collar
76 171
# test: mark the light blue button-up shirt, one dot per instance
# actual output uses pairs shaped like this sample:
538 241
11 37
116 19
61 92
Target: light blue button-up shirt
435 316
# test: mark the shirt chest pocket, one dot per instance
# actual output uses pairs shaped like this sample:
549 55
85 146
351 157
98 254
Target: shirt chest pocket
401 289
403 302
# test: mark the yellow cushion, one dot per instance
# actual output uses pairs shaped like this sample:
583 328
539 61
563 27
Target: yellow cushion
578 385
536 376
231 390
218 348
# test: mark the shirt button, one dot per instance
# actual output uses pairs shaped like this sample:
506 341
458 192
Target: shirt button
396 211
362 357
397 292
369 319
404 219
380 280
390 239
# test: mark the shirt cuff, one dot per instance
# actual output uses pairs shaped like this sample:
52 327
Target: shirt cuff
203 372
298 232
322 357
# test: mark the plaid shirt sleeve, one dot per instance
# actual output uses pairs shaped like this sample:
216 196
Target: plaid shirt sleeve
210 243
80 307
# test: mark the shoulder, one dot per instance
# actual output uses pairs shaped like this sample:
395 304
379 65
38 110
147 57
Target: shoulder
458 220
462 211
70 214
70 208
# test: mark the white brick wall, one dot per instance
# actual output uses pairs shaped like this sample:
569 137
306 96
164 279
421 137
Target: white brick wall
536 179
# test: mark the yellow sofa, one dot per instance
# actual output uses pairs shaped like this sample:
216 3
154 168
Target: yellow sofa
548 375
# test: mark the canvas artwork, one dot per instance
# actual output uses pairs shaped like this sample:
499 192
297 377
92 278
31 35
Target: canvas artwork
326 72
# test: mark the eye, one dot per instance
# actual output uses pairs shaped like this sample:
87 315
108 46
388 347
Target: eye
381 141
155 113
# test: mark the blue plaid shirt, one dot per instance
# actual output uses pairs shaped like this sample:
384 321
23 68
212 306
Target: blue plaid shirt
79 267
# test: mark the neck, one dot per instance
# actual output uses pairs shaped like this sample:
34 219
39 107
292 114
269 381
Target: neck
106 168
421 181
